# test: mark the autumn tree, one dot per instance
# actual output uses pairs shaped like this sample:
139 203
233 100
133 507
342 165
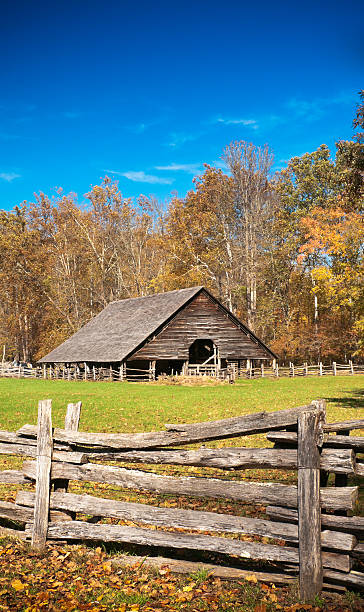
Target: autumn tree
21 285
199 238
250 168
350 158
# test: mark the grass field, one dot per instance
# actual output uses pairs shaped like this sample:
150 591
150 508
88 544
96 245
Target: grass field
85 581
123 407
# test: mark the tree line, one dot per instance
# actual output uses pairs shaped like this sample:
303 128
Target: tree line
283 251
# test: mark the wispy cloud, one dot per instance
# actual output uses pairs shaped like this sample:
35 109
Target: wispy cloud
315 108
189 168
9 176
139 176
6 136
219 163
177 139
139 128
251 123
143 126
71 114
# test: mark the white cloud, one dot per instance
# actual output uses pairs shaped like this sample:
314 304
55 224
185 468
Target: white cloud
252 123
9 176
315 108
190 168
141 177
177 139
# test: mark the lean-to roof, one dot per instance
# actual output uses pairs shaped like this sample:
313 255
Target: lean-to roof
120 328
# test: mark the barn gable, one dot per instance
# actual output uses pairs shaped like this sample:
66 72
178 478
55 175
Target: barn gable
204 318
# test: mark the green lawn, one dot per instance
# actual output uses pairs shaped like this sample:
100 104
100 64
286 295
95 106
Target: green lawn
123 407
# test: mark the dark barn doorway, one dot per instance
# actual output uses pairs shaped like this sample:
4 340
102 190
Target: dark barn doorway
202 350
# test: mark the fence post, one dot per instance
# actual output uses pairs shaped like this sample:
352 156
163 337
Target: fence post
320 370
351 367
310 436
262 368
306 368
71 422
44 462
334 368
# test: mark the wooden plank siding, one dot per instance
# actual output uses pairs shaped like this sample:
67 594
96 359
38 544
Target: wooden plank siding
202 318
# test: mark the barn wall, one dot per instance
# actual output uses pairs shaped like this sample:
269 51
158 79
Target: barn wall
202 318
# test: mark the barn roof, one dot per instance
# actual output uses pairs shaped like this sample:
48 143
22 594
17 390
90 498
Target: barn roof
125 325
120 328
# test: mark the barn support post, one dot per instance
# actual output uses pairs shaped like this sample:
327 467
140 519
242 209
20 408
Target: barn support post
248 373
274 364
309 438
218 360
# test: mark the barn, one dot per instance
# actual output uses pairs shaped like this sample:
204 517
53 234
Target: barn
184 331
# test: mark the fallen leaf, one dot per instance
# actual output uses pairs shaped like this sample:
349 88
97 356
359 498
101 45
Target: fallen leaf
17 585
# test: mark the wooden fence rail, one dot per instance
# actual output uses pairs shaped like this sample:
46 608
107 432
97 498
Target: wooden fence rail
120 374
320 547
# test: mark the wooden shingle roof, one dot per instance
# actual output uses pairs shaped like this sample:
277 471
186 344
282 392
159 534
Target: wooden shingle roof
119 329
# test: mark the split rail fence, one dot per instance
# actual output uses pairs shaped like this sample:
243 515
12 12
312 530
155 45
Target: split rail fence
310 533
233 371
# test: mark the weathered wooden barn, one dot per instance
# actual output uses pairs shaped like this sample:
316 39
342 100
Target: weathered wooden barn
183 331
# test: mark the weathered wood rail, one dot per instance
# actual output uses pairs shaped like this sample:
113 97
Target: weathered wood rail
304 536
235 370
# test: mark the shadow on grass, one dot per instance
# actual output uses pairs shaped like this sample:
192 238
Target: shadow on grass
356 401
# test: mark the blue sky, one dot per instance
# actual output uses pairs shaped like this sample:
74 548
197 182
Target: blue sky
148 91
